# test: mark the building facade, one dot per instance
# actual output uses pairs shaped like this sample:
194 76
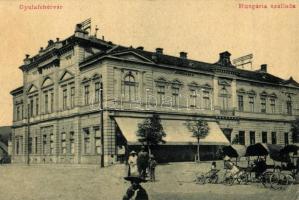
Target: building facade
82 99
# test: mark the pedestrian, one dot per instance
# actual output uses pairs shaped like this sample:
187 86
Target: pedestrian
132 162
152 166
142 162
135 191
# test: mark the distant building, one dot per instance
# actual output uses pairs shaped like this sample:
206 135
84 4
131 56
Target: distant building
57 111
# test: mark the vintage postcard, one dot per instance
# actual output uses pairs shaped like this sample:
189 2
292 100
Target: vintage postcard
149 99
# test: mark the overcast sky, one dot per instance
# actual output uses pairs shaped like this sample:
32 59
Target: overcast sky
201 28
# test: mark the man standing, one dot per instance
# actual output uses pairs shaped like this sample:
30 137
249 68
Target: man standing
142 162
152 167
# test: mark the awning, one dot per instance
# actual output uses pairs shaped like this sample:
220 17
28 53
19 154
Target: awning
176 132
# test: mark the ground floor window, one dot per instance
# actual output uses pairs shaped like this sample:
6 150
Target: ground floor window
273 136
264 137
86 141
241 137
72 143
286 138
252 137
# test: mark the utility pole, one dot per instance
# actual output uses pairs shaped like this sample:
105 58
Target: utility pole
102 123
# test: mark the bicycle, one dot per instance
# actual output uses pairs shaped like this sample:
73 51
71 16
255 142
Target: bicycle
209 177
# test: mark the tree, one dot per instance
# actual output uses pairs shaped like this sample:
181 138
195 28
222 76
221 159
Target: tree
199 129
235 140
295 130
151 132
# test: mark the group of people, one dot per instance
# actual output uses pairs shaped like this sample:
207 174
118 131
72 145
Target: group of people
142 163
139 164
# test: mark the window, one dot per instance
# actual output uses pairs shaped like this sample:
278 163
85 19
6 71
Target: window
286 138
30 145
72 143
51 101
242 137
224 99
193 96
263 105
289 105
52 144
206 99
272 105
97 138
17 146
129 88
22 112
36 106
264 137
252 137
21 144
175 95
251 104
64 100
86 141
273 136
35 145
240 103
31 107
46 102
86 94
72 97
97 92
18 113
44 144
63 143
161 93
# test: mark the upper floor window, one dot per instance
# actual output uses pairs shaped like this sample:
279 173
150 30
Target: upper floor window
224 99
72 97
251 103
175 95
36 105
31 106
206 99
86 94
129 87
72 143
46 102
240 103
97 92
161 93
18 113
289 105
263 105
64 98
193 97
272 105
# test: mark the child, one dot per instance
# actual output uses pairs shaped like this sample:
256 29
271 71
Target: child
213 170
152 166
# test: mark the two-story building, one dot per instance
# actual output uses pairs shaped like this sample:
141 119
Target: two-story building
82 99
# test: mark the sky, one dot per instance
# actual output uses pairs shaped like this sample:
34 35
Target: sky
201 28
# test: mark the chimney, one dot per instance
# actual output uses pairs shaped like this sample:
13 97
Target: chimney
159 50
183 55
41 49
263 68
50 42
140 48
26 60
57 39
224 59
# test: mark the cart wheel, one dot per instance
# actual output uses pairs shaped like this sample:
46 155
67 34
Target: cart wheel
201 179
243 178
229 180
290 179
275 181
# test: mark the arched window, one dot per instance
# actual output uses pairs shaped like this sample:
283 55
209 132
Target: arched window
129 87
224 99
